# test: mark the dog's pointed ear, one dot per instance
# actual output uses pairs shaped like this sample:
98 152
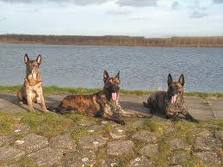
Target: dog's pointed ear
118 75
170 79
181 80
39 59
26 58
105 76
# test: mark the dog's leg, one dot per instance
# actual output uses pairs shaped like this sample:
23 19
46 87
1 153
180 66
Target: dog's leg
19 97
150 107
116 117
175 117
188 116
43 104
29 100
61 110
41 100
107 113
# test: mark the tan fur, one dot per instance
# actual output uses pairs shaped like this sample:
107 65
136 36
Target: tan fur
32 91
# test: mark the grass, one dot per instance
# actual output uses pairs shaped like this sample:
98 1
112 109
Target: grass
26 162
216 122
6 123
157 126
69 90
205 95
162 159
50 124
47 124
183 130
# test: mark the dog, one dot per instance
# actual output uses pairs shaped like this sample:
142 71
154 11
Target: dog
100 104
32 91
171 102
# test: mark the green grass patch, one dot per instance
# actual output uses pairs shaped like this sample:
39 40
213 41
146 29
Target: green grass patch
162 159
47 124
218 122
69 90
79 118
157 126
78 132
6 123
9 89
192 162
205 95
183 130
26 162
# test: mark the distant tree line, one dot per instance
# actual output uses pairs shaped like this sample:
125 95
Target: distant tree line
115 40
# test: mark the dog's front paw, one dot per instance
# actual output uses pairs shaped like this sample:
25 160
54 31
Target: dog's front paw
31 110
20 103
45 111
121 122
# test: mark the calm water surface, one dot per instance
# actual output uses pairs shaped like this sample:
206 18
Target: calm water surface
141 67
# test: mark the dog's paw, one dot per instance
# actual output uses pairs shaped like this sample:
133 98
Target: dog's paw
121 122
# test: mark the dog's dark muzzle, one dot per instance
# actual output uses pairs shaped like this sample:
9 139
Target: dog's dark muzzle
114 93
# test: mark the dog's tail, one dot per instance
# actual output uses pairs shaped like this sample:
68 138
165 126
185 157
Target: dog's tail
55 109
61 110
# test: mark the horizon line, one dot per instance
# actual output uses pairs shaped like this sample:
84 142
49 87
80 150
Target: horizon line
133 36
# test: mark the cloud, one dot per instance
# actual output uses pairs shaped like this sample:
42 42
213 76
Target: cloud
119 12
218 1
198 14
2 19
199 10
137 3
137 18
132 3
175 5
77 2
88 2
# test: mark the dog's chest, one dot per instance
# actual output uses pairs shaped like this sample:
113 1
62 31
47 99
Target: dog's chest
35 93
176 107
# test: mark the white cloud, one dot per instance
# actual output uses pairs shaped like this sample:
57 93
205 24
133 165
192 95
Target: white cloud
218 1
77 2
175 5
137 3
198 14
111 17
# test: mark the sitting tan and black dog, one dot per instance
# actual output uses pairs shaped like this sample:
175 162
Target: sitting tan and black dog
171 102
99 104
31 91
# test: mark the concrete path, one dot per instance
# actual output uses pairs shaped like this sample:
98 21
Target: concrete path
203 109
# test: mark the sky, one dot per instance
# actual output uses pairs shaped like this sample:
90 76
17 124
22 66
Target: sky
149 18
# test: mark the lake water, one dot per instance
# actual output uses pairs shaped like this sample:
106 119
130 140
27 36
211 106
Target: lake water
141 68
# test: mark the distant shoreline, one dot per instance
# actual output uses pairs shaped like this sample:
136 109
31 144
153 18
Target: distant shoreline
113 40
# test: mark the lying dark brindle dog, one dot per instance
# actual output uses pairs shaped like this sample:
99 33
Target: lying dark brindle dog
98 104
170 103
